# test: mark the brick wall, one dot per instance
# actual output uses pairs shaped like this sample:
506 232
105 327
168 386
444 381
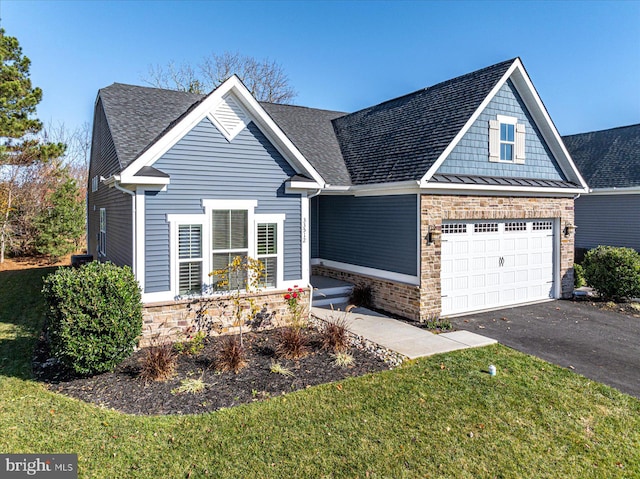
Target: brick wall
436 208
168 321
397 298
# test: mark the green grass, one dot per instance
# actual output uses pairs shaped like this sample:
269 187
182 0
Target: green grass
439 417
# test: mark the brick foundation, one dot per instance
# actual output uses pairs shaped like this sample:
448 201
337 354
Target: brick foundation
397 298
420 303
169 321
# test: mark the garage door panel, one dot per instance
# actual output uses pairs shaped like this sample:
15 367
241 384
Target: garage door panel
491 264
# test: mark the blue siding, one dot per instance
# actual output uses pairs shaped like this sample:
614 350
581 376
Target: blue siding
104 162
204 164
471 154
611 220
373 231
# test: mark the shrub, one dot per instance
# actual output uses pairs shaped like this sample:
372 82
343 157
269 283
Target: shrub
361 296
578 276
190 386
159 362
343 359
192 346
232 355
292 343
613 272
335 335
94 316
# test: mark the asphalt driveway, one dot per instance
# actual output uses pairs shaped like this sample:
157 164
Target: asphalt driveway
601 345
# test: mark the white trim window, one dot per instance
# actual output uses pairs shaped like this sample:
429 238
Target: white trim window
94 184
189 258
506 140
203 243
229 239
102 233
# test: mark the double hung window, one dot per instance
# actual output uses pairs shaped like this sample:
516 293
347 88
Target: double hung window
189 259
506 140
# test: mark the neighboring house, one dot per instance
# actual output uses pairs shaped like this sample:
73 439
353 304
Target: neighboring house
609 161
454 198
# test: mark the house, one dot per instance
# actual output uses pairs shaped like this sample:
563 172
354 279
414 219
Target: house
454 198
609 161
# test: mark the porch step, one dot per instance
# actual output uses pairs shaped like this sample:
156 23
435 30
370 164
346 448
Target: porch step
328 291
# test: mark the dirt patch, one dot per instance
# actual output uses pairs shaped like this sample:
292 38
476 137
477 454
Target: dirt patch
125 391
30 262
631 308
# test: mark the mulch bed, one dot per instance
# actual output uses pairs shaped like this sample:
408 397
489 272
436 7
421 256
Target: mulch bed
125 391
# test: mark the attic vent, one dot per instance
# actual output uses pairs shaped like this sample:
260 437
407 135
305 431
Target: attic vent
229 117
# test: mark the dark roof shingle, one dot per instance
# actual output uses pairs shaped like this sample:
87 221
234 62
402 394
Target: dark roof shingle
311 131
400 139
607 158
137 115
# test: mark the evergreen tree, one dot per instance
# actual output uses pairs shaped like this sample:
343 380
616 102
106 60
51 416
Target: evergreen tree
61 225
19 146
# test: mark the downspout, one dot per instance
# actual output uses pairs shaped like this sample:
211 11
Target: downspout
133 224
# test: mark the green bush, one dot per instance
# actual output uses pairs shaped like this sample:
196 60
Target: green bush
578 276
94 316
613 272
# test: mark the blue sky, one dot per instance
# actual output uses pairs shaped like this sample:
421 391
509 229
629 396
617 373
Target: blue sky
583 57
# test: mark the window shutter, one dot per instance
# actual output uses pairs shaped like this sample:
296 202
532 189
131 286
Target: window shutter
267 240
520 139
494 140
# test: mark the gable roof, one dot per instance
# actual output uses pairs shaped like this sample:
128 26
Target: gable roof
137 115
607 158
311 130
401 139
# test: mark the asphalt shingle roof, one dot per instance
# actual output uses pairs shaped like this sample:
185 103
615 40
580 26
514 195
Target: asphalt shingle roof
397 140
400 139
137 115
311 131
607 158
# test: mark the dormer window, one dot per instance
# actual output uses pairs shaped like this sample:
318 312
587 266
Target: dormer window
506 140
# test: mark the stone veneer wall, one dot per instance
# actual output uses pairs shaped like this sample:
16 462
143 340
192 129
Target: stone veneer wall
167 321
397 298
420 303
436 208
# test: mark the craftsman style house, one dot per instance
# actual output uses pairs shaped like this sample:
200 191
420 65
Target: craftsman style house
455 198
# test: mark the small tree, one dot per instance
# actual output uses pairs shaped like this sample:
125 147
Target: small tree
613 272
19 146
242 278
61 225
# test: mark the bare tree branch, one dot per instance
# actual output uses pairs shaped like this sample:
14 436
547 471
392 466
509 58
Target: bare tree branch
265 79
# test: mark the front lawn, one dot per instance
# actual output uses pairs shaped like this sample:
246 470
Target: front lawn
438 417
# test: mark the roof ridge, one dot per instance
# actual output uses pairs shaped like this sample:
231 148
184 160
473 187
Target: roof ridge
154 88
302 107
439 84
602 131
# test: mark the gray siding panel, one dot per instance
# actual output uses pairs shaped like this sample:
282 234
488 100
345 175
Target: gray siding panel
612 220
203 164
471 154
378 232
104 162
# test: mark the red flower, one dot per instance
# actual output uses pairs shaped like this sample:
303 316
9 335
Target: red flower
287 296
295 295
301 290
289 289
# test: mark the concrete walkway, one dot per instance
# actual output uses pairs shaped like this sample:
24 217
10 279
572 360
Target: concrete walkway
398 336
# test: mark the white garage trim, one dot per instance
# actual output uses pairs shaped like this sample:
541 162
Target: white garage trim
490 264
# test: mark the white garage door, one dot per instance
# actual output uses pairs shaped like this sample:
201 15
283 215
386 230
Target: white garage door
491 264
